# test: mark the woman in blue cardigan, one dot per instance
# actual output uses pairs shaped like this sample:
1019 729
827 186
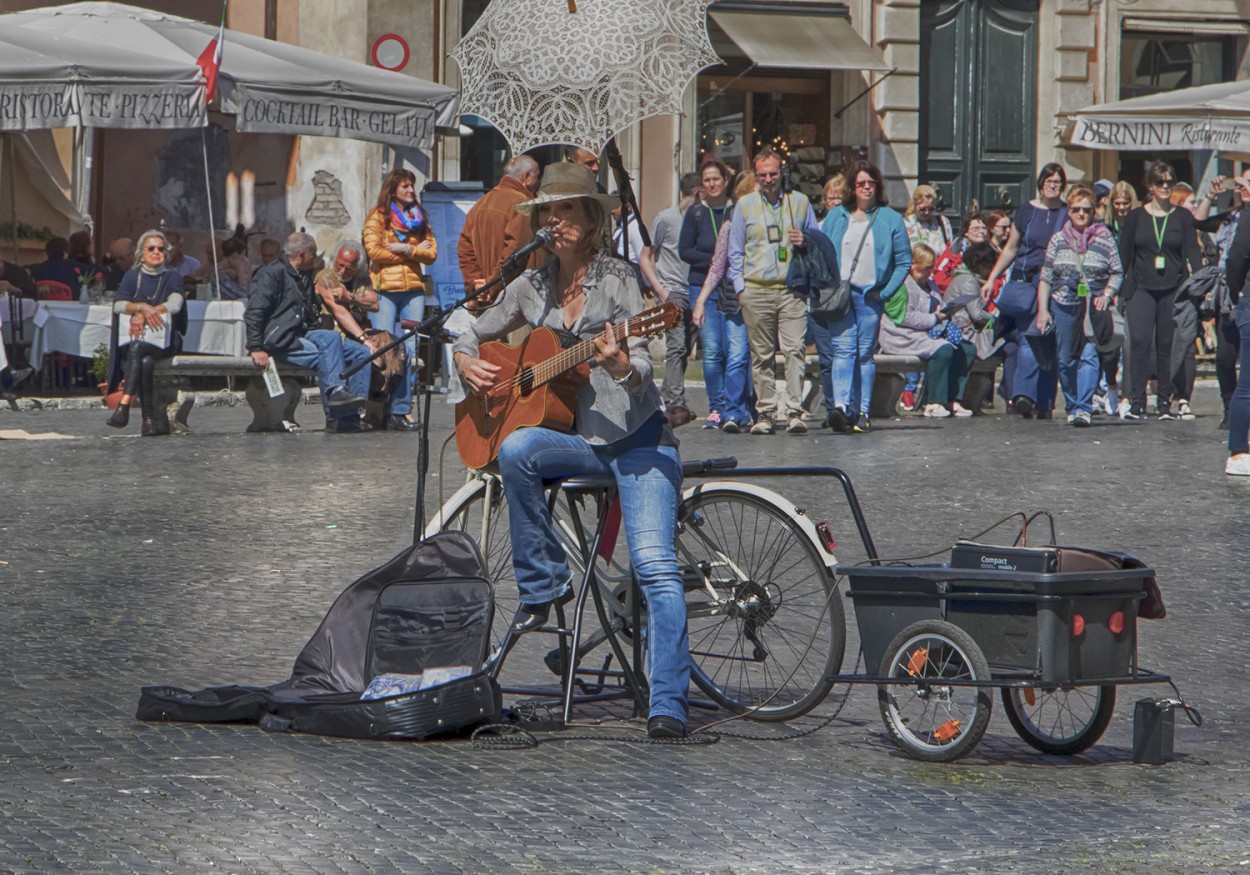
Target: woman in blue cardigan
876 273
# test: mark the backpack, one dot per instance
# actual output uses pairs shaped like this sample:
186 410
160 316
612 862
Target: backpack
401 654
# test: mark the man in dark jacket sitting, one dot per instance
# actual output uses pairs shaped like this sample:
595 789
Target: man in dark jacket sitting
281 318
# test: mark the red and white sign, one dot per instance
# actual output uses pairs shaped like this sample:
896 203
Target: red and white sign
390 52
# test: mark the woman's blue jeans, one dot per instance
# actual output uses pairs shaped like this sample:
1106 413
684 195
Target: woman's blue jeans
1079 370
853 341
1239 407
739 391
393 306
648 479
712 339
1030 380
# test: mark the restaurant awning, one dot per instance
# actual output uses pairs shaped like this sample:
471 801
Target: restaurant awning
799 40
111 65
1205 117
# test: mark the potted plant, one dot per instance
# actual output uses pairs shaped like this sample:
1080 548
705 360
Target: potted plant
100 370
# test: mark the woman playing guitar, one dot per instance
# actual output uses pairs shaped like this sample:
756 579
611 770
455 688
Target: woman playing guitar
618 429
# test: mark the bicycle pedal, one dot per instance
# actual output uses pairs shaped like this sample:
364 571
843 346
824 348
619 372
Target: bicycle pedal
554 662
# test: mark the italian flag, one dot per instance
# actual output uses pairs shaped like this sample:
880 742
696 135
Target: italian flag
210 59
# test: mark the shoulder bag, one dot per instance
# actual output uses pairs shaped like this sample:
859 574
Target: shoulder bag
832 303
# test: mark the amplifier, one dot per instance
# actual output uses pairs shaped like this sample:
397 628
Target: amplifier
970 554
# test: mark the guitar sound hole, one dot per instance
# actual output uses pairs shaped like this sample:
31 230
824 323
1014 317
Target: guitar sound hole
527 380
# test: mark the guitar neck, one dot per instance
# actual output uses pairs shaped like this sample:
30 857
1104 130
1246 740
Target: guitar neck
582 351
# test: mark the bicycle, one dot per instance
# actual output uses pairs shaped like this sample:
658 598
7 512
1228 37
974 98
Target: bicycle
767 628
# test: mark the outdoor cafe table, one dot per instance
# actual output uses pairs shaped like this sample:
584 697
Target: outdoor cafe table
213 328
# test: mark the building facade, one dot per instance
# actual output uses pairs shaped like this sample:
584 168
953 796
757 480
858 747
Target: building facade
970 96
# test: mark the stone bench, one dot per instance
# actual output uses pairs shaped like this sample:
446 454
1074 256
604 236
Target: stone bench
891 371
174 402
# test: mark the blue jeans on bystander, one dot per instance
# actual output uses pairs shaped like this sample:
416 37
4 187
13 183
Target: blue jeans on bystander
1079 370
330 354
853 341
393 306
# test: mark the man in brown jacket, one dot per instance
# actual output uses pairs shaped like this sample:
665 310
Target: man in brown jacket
493 229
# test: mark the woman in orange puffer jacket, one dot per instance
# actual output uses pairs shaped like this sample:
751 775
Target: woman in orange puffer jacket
399 242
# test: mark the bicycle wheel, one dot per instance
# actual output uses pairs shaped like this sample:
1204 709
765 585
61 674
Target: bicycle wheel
767 626
929 720
1056 721
480 510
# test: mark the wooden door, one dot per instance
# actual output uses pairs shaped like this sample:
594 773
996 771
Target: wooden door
978 102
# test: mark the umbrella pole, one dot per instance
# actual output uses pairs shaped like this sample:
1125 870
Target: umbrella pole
16 307
208 196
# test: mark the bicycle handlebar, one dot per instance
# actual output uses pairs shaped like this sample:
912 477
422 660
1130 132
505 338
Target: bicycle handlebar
703 466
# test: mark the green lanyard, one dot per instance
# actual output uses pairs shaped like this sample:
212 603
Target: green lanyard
711 211
1159 232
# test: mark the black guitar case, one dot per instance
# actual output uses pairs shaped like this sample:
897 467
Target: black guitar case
429 607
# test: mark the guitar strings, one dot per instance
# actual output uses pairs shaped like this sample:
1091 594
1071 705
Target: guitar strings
544 372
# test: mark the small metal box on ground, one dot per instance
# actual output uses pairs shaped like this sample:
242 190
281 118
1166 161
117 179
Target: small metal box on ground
1154 725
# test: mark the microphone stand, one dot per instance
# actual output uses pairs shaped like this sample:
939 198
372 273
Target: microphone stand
629 202
431 327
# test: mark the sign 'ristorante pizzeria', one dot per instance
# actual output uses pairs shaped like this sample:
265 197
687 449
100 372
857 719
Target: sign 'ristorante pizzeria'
107 105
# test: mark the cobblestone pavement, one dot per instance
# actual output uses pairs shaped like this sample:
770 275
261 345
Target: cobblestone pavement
211 558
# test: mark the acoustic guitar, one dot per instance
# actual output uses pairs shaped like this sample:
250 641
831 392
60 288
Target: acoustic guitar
541 385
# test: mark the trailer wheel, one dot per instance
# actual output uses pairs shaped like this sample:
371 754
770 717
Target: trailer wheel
929 719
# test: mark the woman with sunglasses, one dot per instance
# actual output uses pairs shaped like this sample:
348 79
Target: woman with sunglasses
1082 270
1159 249
149 297
875 256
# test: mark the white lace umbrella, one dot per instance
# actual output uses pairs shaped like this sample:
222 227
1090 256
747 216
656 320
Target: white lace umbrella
580 71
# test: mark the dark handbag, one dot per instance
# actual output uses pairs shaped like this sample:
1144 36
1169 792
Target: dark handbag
1045 347
832 303
1018 300
727 299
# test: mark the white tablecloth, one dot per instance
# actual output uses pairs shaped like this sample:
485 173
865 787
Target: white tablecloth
214 328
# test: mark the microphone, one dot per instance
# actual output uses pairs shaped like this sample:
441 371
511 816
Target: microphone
542 237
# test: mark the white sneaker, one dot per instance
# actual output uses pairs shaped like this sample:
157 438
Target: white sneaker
936 411
1122 409
1183 410
1238 466
958 409
1113 401
1071 418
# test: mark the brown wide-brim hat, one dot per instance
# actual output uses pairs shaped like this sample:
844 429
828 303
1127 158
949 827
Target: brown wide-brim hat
565 181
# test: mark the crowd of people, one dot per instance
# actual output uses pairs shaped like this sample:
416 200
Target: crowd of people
1085 295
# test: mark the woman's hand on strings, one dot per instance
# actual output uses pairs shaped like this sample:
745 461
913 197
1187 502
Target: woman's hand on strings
610 356
479 376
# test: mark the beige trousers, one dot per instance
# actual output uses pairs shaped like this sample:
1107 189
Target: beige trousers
775 319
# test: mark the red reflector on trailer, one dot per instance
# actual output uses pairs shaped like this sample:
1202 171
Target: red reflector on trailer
1116 622
1078 625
